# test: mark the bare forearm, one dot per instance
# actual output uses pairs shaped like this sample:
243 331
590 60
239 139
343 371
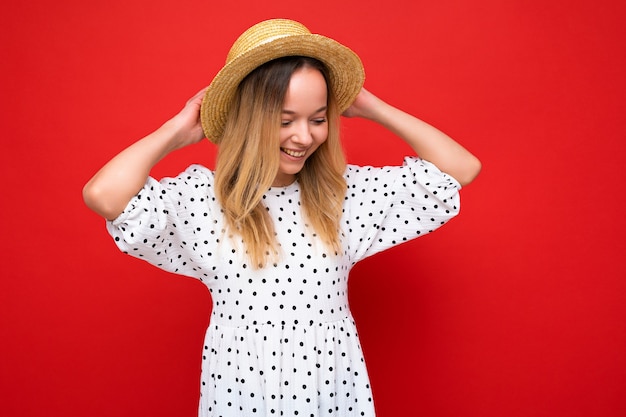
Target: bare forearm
430 143
110 190
427 141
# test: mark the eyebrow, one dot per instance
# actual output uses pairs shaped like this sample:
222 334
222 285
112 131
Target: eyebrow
321 109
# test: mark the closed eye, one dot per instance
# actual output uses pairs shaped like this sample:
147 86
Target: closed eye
316 120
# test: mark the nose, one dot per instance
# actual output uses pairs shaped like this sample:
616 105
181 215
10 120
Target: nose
302 134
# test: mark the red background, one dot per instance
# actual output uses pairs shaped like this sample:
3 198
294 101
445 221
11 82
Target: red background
515 308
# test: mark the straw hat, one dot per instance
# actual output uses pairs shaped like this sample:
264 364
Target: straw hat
269 40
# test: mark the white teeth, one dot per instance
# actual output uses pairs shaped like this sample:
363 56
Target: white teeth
294 153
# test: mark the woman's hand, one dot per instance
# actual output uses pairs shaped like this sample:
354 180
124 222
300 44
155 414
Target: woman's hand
186 124
364 105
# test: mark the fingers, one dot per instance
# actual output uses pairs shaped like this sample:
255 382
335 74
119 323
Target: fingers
201 92
198 96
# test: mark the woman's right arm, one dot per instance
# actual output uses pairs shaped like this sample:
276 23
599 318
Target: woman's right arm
109 191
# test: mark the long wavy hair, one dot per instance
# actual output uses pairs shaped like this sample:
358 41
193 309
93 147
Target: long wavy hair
248 162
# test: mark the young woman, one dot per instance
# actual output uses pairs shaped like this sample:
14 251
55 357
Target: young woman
274 231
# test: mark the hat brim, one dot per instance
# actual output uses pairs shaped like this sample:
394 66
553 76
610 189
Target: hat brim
345 68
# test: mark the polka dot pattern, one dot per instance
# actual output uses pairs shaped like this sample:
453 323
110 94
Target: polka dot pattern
282 340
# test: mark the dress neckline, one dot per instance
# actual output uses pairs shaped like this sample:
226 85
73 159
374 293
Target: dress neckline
284 190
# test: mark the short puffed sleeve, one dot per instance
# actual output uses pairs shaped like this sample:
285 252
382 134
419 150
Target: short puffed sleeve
171 223
386 206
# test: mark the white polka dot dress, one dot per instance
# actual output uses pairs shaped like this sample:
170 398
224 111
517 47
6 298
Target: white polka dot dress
281 340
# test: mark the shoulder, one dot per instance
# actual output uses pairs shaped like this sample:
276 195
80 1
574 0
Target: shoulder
194 176
363 174
196 181
412 167
199 171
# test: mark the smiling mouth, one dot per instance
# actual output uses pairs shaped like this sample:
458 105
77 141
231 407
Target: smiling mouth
295 154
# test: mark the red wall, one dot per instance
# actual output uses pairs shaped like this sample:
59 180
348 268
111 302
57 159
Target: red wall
515 308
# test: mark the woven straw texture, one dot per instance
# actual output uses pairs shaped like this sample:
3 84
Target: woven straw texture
269 40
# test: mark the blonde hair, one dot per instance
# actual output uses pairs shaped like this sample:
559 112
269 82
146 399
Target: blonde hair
248 162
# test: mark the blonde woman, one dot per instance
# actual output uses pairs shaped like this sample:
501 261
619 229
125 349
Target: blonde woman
274 231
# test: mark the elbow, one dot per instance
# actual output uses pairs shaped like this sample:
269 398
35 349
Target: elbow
471 170
96 200
89 196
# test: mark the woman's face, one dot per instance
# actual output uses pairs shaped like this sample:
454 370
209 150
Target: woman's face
304 125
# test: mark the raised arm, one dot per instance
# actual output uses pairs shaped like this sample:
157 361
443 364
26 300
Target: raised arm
427 141
111 188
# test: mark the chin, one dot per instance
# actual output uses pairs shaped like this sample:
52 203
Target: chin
291 170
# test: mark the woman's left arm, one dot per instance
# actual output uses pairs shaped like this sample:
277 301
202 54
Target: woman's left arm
427 141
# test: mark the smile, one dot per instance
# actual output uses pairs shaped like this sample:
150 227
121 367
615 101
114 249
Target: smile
295 154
